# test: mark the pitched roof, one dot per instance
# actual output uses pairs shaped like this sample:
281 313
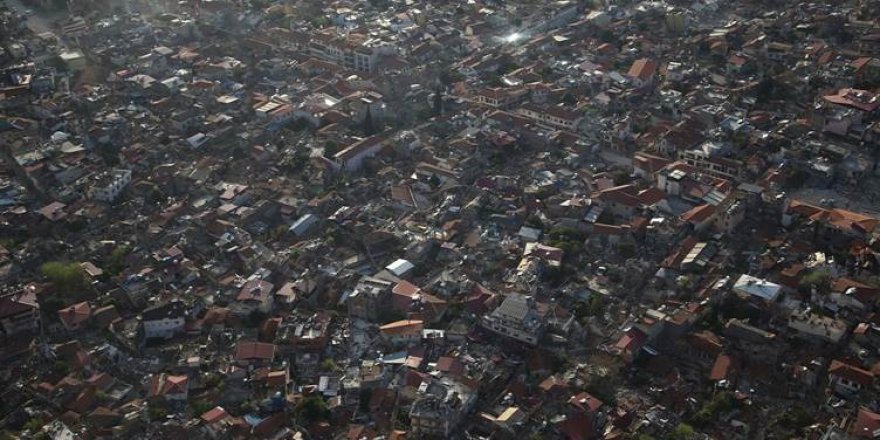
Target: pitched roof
254 351
402 327
851 373
698 214
721 368
867 424
643 69
214 415
75 314
175 385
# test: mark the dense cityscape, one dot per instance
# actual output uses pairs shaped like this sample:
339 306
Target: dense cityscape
440 219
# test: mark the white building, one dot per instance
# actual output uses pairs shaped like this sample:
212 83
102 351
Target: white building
110 184
812 327
750 286
164 320
352 157
517 317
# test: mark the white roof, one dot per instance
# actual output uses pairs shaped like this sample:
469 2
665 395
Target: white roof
757 287
400 267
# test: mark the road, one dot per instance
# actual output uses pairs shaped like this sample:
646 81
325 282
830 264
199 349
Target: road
40 21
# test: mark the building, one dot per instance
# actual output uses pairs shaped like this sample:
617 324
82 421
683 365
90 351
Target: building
707 161
254 353
164 320
109 185
751 287
368 298
402 332
440 407
552 116
19 313
255 294
517 317
175 388
642 72
350 51
816 327
848 379
76 316
351 158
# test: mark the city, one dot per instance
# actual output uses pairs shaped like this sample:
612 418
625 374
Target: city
417 219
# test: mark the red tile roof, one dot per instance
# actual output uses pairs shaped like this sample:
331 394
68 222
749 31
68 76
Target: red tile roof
721 369
851 373
866 425
254 351
214 415
643 69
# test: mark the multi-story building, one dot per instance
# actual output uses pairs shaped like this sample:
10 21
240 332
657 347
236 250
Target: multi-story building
368 297
19 313
361 54
706 161
110 184
164 320
517 317
440 408
552 116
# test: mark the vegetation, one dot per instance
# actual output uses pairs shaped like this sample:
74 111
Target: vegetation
200 406
682 432
817 279
328 365
66 278
313 409
709 413
156 412
116 263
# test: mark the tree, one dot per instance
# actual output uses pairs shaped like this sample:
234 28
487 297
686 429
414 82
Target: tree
313 409
65 277
156 412
682 432
255 318
200 407
438 101
61 368
369 130
116 260
328 365
33 425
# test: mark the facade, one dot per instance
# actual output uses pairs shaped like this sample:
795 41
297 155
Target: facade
255 294
110 185
368 298
403 332
164 320
362 56
19 313
517 318
352 157
440 408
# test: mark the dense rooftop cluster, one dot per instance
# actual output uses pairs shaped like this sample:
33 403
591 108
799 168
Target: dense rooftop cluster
407 219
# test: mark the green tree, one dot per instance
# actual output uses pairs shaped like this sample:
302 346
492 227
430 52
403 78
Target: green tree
328 365
33 425
682 432
313 409
116 260
156 412
369 130
200 406
65 277
61 368
438 101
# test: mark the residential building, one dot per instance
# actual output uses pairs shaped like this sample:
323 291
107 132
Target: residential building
518 318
